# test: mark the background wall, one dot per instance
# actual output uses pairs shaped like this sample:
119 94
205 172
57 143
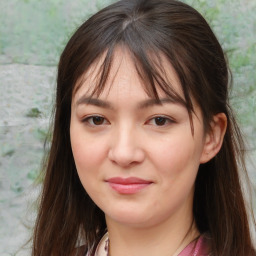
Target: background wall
32 35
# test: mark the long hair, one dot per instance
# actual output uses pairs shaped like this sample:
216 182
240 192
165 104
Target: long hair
67 215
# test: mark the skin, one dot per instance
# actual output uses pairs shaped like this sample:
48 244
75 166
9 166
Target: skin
126 135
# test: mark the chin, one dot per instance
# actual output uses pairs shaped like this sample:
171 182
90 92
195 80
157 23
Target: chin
132 219
127 217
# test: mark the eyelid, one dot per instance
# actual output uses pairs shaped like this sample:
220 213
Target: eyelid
169 120
90 117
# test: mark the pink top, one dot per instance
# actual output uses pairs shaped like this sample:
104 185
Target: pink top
197 248
200 247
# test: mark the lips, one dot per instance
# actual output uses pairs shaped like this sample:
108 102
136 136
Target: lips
129 185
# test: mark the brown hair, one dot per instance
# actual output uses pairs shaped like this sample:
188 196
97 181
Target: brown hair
66 214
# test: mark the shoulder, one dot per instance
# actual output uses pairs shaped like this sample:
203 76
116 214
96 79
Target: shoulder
204 245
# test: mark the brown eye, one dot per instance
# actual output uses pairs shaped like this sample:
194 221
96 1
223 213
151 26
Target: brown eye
97 120
159 121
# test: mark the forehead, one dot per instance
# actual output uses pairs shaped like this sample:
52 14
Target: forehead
125 74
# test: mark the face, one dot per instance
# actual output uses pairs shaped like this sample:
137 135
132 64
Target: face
136 158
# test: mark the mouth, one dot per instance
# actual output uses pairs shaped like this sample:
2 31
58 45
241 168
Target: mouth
129 185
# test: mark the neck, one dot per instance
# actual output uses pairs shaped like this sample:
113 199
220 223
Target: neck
167 239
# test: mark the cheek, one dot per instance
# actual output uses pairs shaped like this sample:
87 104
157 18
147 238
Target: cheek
177 166
173 154
89 158
177 160
87 155
88 152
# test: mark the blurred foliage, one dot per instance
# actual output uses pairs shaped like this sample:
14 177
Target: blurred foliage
17 187
35 31
8 153
42 135
33 174
234 23
34 113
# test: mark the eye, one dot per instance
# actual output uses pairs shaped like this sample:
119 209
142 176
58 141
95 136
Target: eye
95 120
160 121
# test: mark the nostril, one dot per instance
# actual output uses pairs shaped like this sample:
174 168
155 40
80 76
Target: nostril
126 157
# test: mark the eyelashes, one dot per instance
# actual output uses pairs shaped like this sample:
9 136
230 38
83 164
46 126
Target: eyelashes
158 121
95 120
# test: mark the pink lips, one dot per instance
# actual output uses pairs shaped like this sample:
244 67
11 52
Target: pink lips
129 185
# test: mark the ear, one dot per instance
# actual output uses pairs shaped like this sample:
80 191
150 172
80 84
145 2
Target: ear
214 138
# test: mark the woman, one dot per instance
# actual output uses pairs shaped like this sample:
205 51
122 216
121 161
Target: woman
145 152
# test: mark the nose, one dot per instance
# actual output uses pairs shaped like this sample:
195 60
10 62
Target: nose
126 149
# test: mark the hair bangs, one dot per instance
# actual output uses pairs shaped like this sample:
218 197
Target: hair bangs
149 67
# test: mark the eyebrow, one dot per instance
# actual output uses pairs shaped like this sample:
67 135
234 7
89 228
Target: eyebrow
93 101
144 104
159 102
